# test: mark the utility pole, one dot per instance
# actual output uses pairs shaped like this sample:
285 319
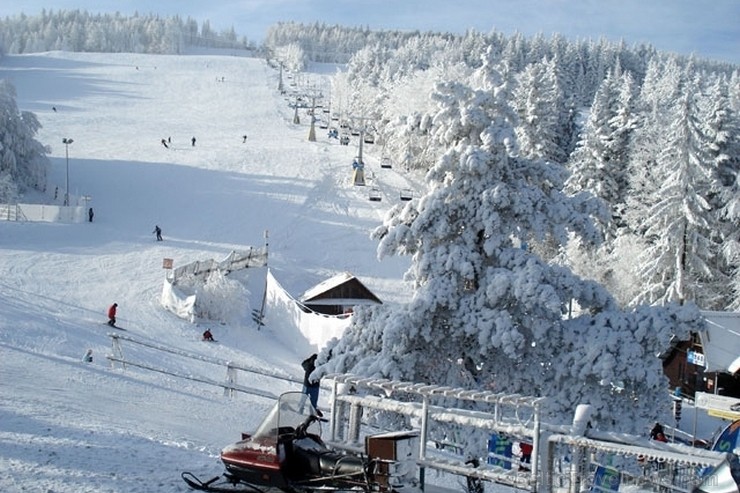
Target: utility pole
66 143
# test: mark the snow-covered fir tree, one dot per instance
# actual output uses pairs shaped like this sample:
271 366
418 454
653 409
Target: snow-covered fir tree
722 130
599 164
23 161
488 313
539 103
678 266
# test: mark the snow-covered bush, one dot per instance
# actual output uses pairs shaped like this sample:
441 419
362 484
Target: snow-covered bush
223 299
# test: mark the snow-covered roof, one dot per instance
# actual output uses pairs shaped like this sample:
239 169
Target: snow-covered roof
318 295
721 341
325 286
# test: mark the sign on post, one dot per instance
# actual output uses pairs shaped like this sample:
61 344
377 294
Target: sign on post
695 358
718 405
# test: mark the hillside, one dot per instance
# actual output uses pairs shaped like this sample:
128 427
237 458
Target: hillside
70 427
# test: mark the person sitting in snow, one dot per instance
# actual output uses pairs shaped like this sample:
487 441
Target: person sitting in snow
207 336
658 433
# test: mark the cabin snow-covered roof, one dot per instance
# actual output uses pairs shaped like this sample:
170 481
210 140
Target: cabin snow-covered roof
332 292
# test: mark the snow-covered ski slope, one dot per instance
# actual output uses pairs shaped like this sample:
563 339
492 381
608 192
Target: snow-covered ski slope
73 427
66 426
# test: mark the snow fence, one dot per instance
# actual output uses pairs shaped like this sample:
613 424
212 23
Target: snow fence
43 213
185 305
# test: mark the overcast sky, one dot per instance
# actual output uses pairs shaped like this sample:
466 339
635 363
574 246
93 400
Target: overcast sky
708 28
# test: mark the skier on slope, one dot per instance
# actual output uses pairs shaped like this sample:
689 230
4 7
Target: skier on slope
112 314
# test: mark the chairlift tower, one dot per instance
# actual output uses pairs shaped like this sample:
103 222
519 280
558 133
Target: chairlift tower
296 118
281 89
312 93
361 119
312 130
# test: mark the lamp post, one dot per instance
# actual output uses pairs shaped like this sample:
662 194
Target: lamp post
66 143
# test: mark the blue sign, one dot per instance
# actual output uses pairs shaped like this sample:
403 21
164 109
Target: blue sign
499 450
695 358
605 479
729 439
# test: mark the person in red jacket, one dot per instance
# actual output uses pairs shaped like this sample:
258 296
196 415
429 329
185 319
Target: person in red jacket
526 455
112 314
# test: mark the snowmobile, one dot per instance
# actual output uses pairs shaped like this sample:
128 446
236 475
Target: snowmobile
286 453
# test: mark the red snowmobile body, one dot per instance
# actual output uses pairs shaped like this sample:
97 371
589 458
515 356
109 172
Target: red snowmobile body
286 452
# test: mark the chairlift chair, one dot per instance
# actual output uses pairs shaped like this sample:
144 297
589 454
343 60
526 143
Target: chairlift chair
406 194
374 194
385 162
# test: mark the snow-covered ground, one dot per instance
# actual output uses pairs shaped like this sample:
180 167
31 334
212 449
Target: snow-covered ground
68 426
72 427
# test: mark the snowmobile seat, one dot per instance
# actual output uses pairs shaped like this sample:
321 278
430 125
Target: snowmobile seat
334 464
326 463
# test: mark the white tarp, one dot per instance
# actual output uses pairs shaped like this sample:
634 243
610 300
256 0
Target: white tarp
721 341
175 301
297 326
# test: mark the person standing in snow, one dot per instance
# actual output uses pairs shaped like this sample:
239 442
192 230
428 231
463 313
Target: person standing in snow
525 448
90 214
157 231
207 336
311 387
112 314
192 141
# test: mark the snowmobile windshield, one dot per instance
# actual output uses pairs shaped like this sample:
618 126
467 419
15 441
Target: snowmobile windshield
291 410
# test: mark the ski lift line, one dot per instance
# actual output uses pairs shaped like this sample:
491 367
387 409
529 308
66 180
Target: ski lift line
672 453
477 419
497 475
439 391
227 386
166 349
206 359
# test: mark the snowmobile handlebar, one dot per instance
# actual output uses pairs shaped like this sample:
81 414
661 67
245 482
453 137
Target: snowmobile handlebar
301 429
